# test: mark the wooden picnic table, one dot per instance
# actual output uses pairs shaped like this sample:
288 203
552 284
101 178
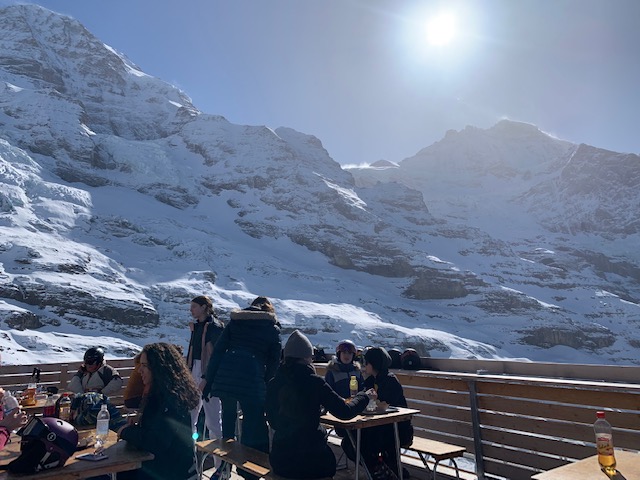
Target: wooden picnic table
121 457
367 420
588 469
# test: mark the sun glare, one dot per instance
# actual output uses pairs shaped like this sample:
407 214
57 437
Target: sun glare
441 29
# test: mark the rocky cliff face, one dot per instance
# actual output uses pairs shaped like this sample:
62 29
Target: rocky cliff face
120 201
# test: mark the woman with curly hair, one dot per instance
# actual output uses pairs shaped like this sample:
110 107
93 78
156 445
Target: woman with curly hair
165 427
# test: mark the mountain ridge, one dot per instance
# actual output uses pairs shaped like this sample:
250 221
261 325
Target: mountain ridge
121 204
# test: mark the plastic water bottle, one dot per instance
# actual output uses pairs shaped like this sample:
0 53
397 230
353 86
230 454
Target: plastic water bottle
604 444
10 403
49 407
353 386
102 426
64 411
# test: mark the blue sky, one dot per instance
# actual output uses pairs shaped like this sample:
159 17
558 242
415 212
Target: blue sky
361 77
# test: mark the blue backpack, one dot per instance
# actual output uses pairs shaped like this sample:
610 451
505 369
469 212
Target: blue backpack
85 408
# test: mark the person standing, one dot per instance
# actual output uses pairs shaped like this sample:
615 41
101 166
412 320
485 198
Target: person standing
94 375
205 331
246 357
164 428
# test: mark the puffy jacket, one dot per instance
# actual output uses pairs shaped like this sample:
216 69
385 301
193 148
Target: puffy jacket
105 380
339 374
245 357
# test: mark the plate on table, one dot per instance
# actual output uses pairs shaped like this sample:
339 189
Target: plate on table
380 412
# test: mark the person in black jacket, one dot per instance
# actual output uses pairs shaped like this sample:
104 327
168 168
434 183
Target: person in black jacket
244 359
164 428
294 399
380 440
205 332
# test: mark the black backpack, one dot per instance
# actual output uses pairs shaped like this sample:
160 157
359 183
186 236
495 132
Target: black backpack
410 360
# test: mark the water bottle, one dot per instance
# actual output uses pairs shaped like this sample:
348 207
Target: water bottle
49 407
353 386
10 403
604 444
64 411
102 426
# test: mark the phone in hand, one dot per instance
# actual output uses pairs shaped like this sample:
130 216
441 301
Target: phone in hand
92 457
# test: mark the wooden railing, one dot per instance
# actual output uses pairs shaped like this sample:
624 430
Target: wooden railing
514 418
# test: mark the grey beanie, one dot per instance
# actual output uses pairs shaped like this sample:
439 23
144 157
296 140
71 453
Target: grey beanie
298 346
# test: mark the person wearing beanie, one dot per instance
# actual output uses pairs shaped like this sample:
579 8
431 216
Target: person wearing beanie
244 359
380 440
298 346
294 399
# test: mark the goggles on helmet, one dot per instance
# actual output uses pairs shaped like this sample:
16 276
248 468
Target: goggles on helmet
347 347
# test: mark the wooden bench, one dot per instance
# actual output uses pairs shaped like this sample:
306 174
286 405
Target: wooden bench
243 457
439 451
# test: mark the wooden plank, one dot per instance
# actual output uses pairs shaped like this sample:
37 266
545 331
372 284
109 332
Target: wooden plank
573 413
537 443
509 471
438 450
438 382
553 428
445 397
522 457
597 397
459 429
459 414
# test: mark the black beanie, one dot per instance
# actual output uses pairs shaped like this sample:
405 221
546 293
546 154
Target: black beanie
379 359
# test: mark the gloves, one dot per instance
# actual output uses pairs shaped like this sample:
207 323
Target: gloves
206 392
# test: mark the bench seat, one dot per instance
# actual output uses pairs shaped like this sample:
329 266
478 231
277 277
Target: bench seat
439 451
243 457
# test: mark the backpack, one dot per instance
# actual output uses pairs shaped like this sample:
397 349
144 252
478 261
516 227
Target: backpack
410 360
85 408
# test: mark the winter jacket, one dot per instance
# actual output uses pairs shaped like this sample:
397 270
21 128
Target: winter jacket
294 399
105 380
245 357
165 431
339 375
211 330
390 390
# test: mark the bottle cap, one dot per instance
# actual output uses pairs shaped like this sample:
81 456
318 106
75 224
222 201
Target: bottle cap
599 414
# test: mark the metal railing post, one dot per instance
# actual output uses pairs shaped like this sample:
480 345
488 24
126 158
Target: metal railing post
477 433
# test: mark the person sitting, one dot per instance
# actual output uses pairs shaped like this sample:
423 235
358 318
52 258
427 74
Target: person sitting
10 421
294 398
164 426
94 375
342 367
380 440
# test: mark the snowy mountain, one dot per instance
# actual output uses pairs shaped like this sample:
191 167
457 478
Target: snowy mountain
121 201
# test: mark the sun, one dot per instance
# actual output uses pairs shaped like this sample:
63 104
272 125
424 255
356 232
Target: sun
441 29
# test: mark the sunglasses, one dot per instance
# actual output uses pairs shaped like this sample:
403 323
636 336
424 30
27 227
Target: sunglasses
90 363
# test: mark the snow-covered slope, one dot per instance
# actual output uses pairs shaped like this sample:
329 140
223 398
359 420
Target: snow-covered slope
120 201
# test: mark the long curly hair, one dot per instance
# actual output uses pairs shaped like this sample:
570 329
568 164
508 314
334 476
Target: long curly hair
172 380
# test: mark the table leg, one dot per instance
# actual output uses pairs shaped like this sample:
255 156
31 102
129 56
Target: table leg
397 439
358 433
357 445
